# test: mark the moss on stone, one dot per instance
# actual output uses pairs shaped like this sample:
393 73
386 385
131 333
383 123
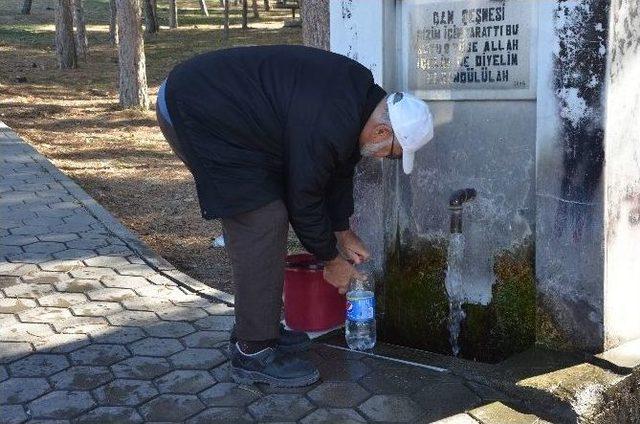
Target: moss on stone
415 301
475 332
514 301
548 334
417 307
505 326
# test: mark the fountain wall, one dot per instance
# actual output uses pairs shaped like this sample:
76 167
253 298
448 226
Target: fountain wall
508 140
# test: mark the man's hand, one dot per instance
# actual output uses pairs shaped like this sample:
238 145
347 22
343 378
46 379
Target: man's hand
351 247
339 272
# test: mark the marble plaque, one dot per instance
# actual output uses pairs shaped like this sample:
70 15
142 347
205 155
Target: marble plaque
468 49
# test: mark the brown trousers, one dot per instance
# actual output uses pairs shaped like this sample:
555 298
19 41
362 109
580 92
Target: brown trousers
257 245
256 242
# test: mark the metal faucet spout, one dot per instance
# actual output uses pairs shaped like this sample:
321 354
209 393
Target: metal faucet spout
456 200
460 197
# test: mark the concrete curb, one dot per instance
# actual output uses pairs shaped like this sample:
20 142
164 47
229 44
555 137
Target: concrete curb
623 359
115 227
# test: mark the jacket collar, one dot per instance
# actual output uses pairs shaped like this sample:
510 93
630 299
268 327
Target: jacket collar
374 96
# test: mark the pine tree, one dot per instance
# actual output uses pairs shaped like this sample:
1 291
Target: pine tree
173 13
131 60
113 23
151 16
65 44
245 12
226 19
82 44
203 8
315 23
26 7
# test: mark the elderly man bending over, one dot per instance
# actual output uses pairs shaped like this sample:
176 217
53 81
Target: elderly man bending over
272 135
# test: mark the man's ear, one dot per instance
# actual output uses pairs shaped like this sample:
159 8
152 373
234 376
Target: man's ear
381 132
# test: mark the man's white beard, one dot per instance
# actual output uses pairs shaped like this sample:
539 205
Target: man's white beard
372 148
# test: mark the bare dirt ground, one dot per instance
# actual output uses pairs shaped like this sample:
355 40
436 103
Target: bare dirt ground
119 156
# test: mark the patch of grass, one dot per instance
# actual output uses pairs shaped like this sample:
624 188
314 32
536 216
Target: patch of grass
24 34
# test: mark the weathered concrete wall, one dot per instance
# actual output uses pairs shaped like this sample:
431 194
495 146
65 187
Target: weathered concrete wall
559 174
486 145
570 158
622 177
588 175
359 30
356 32
489 146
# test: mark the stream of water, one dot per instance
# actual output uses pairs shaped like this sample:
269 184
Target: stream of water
453 284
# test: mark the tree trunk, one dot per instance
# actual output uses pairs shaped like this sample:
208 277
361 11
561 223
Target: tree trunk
26 7
82 44
254 4
266 5
173 13
245 9
131 61
315 23
203 8
226 19
151 16
113 23
65 44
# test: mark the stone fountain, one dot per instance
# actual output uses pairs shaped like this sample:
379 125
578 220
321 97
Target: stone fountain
536 106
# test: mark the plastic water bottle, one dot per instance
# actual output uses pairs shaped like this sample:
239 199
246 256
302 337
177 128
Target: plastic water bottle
360 325
218 241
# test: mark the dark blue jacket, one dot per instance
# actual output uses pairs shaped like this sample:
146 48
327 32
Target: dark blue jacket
269 122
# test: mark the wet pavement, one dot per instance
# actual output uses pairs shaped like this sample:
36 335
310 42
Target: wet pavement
92 330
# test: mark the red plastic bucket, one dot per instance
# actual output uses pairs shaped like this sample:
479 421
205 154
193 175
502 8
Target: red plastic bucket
310 303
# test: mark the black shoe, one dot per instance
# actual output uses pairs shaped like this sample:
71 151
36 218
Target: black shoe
289 341
271 367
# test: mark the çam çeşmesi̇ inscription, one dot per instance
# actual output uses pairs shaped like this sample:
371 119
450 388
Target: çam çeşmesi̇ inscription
475 49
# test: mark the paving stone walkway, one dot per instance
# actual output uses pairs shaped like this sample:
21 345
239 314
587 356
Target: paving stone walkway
92 331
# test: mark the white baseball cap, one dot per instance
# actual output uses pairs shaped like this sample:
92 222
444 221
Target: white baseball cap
412 125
